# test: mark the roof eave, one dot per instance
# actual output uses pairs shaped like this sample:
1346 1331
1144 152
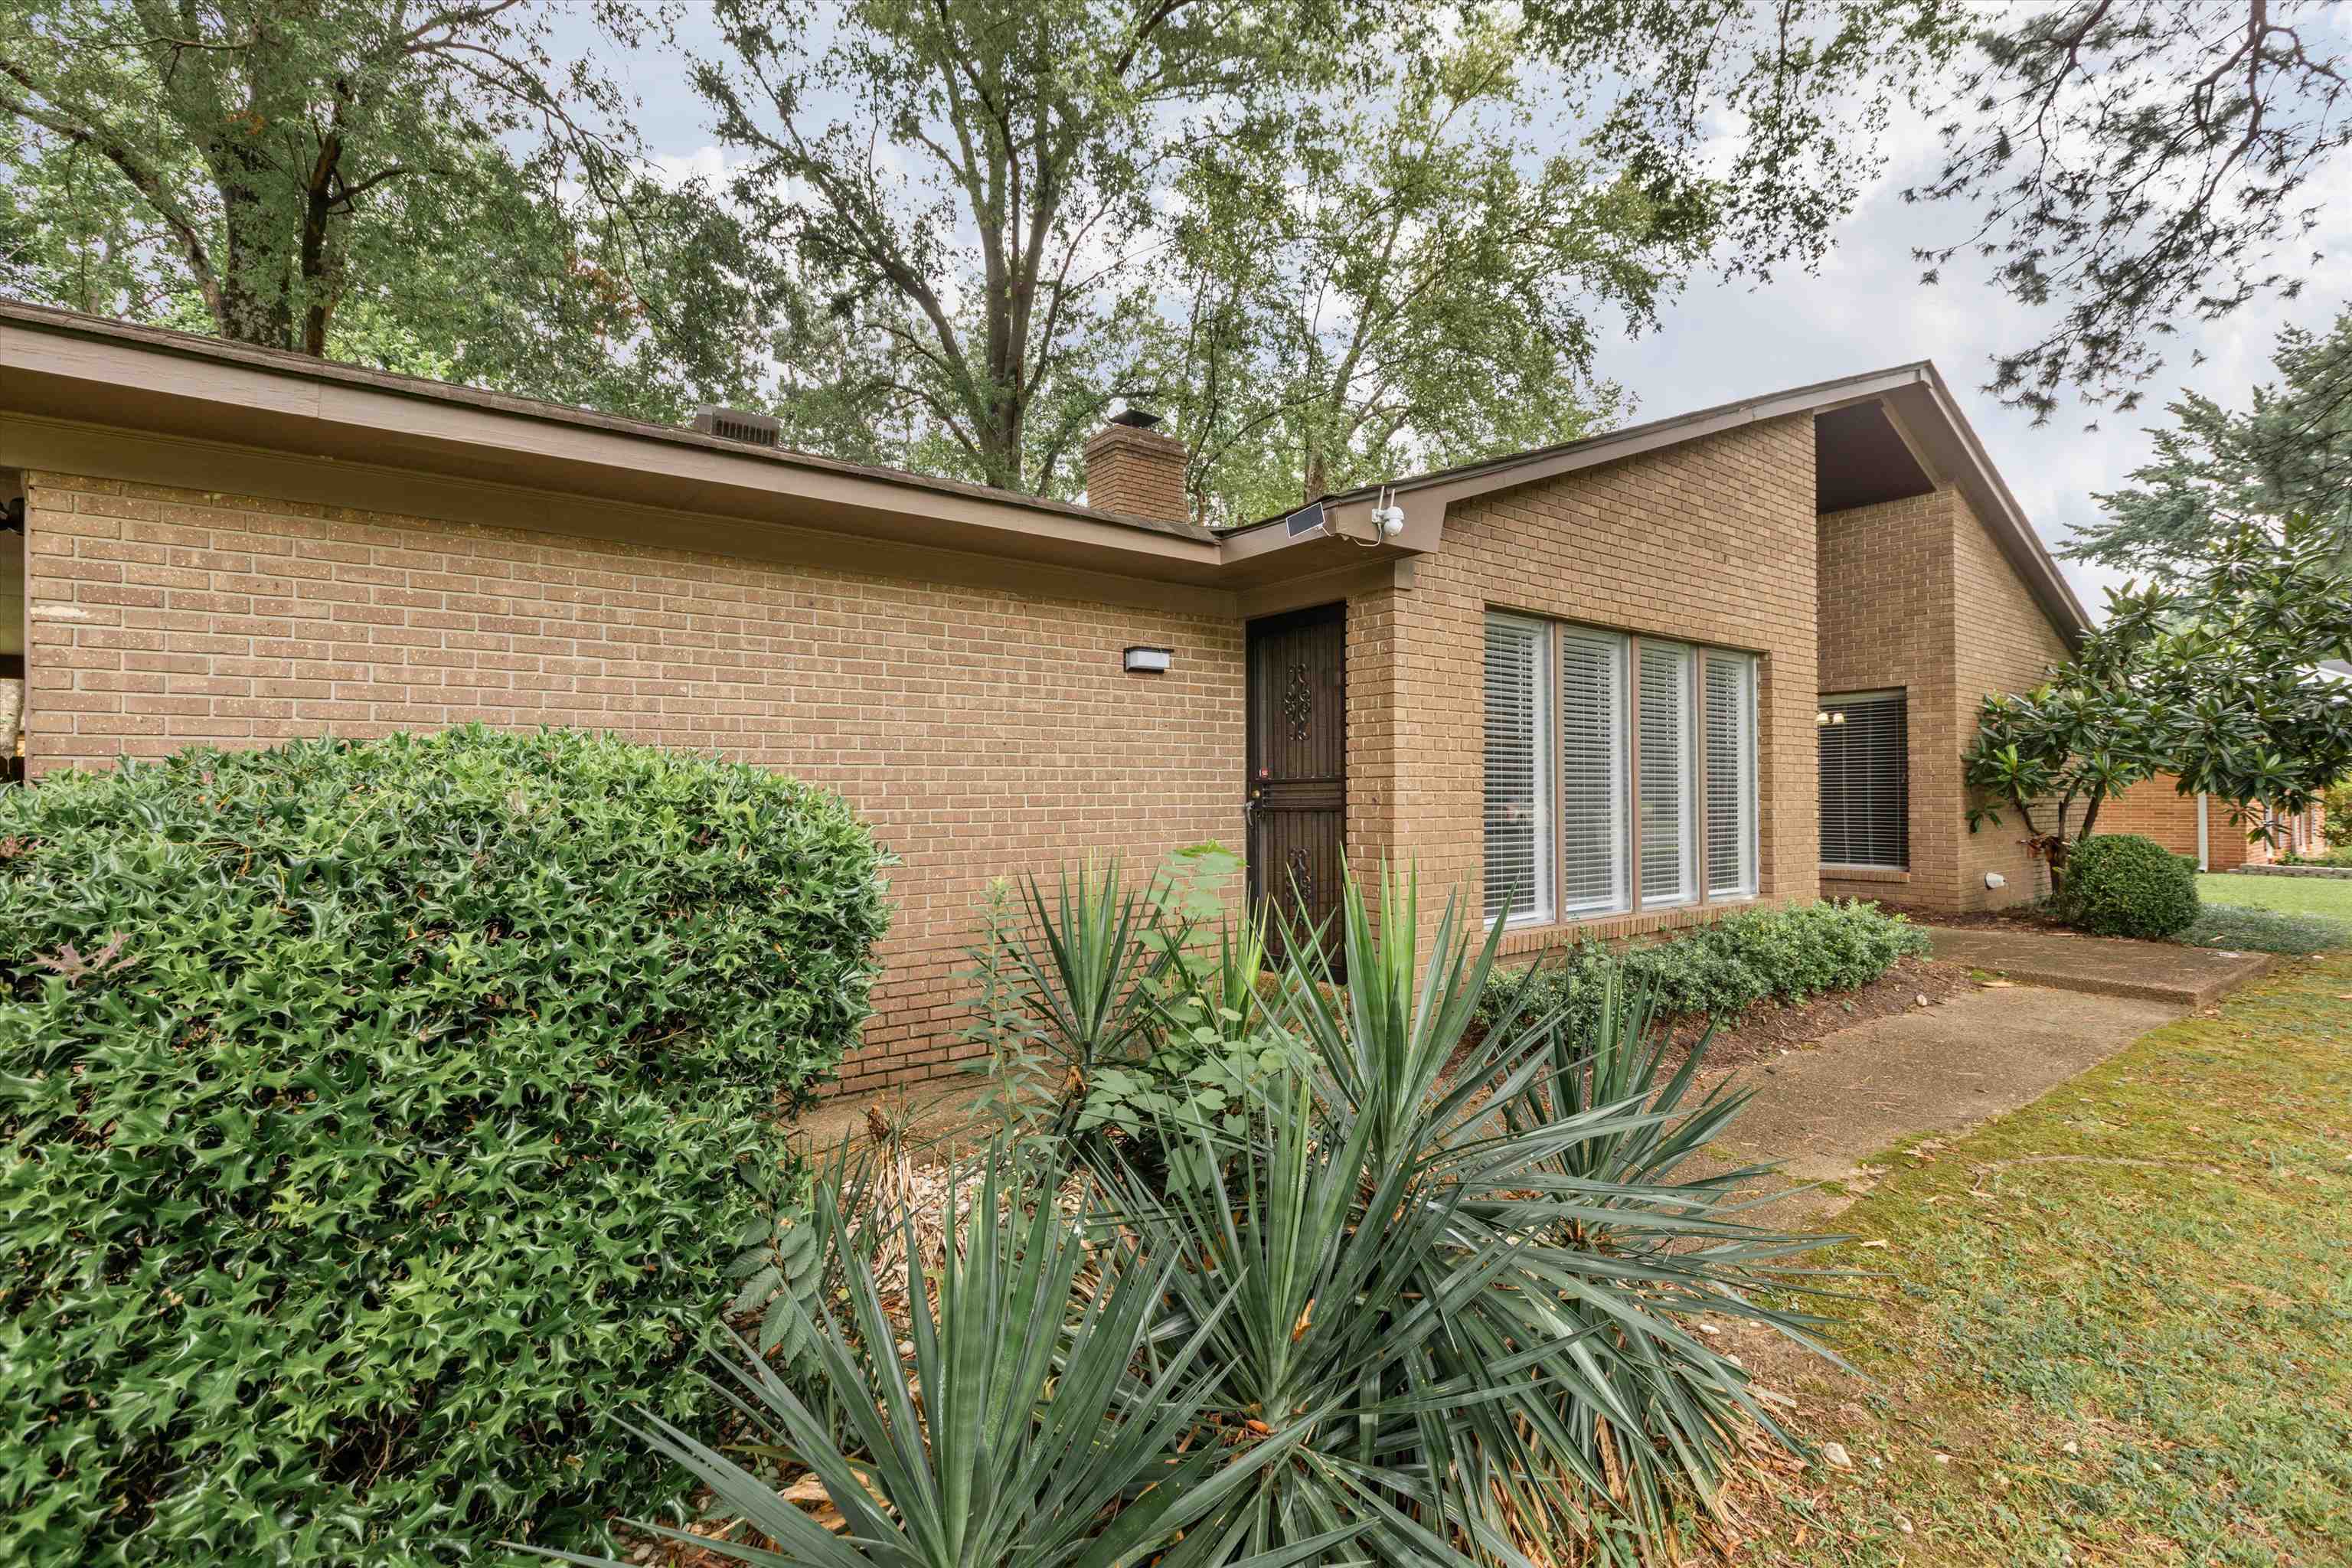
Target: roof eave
67 367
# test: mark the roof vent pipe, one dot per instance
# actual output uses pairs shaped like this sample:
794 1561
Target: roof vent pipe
740 425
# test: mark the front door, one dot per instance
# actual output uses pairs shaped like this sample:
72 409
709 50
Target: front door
1299 769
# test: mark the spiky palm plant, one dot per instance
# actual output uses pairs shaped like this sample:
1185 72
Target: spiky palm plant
1046 1413
1462 1280
1437 1312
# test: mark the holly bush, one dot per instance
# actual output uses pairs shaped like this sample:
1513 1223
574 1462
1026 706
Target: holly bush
2120 884
378 1122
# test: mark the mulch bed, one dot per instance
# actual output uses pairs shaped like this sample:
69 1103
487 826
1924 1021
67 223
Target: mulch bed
2017 916
1763 1033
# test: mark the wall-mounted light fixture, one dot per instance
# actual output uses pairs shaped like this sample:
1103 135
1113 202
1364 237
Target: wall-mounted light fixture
1147 660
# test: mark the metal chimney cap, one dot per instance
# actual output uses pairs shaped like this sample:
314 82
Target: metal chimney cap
1135 417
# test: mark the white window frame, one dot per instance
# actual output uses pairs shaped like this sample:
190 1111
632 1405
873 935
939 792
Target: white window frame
1550 904
1618 826
1750 808
1545 738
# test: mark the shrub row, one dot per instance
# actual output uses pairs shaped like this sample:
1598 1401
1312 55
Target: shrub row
1723 969
377 1124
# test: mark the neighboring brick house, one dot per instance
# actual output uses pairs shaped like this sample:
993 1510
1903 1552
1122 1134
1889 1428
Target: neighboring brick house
1606 688
2222 839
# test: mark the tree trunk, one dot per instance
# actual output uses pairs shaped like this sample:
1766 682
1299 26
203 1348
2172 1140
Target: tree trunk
318 297
255 308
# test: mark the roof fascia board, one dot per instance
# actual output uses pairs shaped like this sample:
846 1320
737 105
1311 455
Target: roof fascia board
1425 498
396 493
1642 438
85 372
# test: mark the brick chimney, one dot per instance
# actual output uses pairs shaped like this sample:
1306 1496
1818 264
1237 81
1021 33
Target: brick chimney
1135 469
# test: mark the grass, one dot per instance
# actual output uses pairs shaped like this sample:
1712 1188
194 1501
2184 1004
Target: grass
2273 914
2113 1327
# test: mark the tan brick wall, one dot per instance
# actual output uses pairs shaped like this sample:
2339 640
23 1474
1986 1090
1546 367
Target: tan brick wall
1711 542
2154 808
1916 594
982 733
1887 622
2006 644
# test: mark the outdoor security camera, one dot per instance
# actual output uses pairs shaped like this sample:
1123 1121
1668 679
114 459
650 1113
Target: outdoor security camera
1391 519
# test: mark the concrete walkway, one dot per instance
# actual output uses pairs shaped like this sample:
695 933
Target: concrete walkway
2185 977
1825 1108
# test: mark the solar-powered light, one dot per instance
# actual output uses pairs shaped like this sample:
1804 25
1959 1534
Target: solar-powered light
1147 660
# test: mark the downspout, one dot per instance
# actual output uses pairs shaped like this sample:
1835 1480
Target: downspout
2204 852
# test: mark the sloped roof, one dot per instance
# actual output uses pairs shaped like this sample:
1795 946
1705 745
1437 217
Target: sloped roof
64 366
1860 461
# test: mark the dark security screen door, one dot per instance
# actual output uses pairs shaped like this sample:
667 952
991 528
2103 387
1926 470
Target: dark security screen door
1298 765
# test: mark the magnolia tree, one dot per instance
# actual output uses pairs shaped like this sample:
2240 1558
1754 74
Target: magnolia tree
2218 683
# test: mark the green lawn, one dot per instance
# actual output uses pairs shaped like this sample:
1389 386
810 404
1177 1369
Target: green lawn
2112 1328
2274 914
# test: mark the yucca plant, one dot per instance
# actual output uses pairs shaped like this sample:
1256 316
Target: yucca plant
1462 1278
1047 1413
1082 957
1429 1303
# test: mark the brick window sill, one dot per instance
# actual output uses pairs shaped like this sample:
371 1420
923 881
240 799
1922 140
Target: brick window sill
1889 874
1538 938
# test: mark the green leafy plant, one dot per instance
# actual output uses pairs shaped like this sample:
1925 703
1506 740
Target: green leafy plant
2212 683
1432 1304
1082 956
1042 1412
1119 1010
782 1274
379 1118
1722 969
2124 885
1464 1277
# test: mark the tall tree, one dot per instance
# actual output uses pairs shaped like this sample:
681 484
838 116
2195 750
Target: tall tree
2219 471
420 185
1397 278
1776 109
2218 682
973 183
2118 166
2135 164
255 132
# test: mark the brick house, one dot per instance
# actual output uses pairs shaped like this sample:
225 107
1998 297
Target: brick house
1613 687
2221 839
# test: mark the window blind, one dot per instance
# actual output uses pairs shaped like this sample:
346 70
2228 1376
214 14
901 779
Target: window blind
1730 775
1865 781
1666 770
1592 771
1518 858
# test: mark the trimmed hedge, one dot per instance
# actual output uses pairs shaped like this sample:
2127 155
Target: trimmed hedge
2120 884
377 1123
1726 967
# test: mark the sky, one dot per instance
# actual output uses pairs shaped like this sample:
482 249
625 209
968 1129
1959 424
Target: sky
1864 309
